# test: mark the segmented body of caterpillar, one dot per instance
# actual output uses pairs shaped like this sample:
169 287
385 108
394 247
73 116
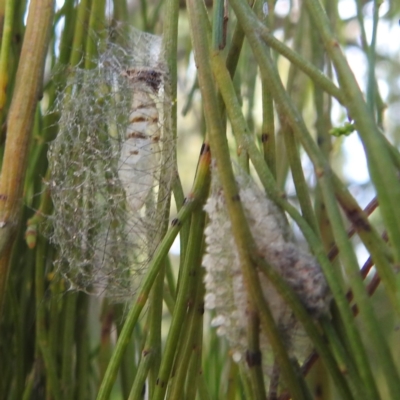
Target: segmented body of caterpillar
225 289
139 160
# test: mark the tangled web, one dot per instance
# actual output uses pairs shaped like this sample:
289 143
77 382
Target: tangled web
111 166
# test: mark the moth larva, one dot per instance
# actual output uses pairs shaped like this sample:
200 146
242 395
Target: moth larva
139 158
225 289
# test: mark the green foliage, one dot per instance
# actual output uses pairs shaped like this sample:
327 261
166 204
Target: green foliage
344 130
101 129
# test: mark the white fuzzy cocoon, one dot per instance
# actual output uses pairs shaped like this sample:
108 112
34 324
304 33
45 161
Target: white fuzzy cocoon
226 292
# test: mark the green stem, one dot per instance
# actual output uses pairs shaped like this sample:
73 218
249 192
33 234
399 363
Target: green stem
254 356
96 24
192 202
27 394
19 347
5 51
345 362
241 10
381 168
233 376
219 27
170 279
141 373
41 332
247 389
241 232
194 372
189 335
105 348
307 67
82 17
195 377
322 106
360 294
324 174
67 33
185 295
371 85
268 129
153 343
128 364
202 388
308 324
82 348
68 344
302 190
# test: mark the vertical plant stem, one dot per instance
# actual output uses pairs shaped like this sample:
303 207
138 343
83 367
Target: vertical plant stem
241 232
105 348
362 298
185 295
67 381
203 391
137 307
154 338
309 326
194 317
254 356
218 29
213 362
68 31
374 100
268 140
322 105
371 59
19 346
20 122
96 24
82 348
27 394
233 378
5 52
345 362
247 389
300 183
141 374
170 278
235 49
170 46
193 201
153 344
268 130
41 332
381 168
82 17
195 377
2 12
128 364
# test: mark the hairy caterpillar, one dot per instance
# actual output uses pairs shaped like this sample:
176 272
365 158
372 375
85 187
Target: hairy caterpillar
225 289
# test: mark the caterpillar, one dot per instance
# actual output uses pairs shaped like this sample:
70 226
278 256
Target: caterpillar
226 293
139 158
